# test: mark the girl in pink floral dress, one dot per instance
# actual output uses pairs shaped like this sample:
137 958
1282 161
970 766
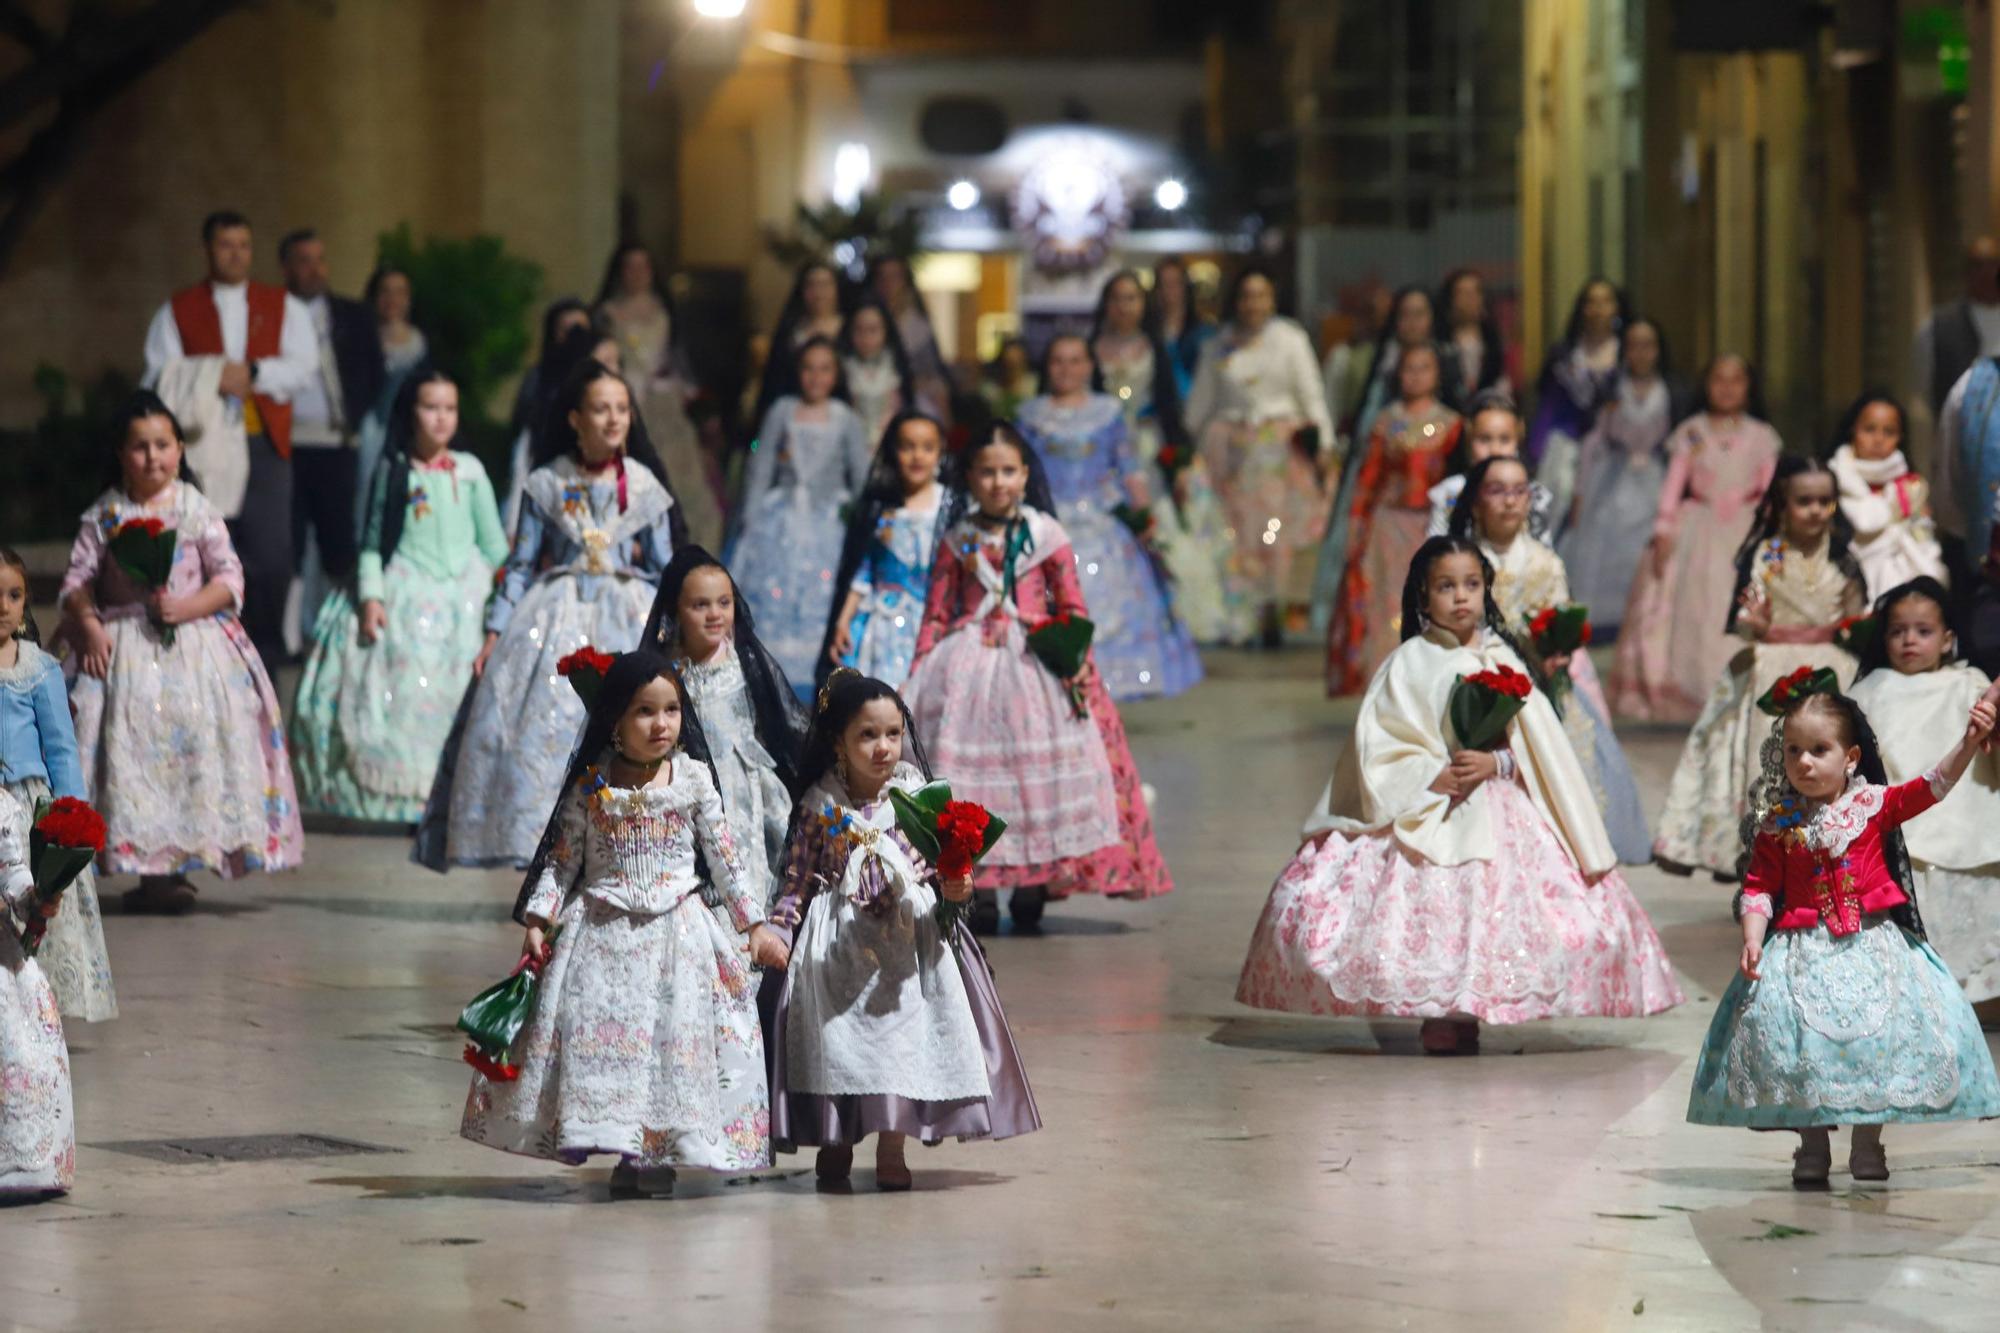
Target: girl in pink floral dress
182 742
1449 884
1001 725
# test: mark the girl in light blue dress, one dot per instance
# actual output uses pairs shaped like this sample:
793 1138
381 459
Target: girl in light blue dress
885 566
810 460
1142 648
597 526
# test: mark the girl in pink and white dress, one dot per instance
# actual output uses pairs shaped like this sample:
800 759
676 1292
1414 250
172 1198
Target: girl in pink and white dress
1001 725
1448 884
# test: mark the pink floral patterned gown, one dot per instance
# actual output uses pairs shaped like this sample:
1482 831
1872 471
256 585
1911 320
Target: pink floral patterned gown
1000 727
183 745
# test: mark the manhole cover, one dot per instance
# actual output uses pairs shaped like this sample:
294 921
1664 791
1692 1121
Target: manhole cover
243 1148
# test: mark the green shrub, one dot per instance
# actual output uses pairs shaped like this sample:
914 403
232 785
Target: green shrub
50 473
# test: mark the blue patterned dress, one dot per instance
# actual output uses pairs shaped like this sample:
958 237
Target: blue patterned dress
893 580
801 475
1142 648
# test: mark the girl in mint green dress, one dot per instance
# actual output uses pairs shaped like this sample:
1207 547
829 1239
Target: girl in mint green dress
390 663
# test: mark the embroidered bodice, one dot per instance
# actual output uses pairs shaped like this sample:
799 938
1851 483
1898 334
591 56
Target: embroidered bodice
1407 452
898 558
876 388
817 463
451 517
1815 862
968 580
1272 376
1527 577
840 845
634 848
202 551
1637 419
1086 450
572 524
1725 463
1128 371
1807 588
722 701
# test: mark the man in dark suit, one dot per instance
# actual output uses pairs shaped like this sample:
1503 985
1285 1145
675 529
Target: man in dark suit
328 414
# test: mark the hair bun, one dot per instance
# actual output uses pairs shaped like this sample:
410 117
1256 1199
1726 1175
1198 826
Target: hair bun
839 674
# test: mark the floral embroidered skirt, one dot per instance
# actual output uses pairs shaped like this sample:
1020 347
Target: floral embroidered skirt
1702 822
1863 1029
499 774
1142 648
1276 503
72 956
37 1132
1361 926
784 560
644 1042
1962 918
370 720
883 1025
183 748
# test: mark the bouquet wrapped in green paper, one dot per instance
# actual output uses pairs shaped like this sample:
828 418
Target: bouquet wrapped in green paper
65 838
496 1016
951 835
144 549
1483 703
1062 643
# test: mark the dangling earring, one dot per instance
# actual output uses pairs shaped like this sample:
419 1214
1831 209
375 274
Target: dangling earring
840 768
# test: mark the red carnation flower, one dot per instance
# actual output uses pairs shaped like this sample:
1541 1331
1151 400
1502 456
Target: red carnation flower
71 823
1586 631
1543 619
585 658
954 862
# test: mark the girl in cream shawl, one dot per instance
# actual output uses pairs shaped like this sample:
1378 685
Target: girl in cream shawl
1913 682
1447 884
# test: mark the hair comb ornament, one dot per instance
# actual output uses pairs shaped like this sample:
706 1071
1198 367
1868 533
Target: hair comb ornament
1790 689
826 691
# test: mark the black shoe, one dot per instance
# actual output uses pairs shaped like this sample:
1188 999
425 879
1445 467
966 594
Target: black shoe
1025 905
984 915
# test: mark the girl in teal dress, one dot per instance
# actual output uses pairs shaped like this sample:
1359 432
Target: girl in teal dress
389 663
1841 1014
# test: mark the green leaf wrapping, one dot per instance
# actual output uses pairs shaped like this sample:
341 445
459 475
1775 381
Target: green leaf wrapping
147 560
1565 631
497 1014
1479 715
917 816
1062 645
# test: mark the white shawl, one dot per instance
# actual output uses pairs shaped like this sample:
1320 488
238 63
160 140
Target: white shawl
1382 779
1915 720
218 451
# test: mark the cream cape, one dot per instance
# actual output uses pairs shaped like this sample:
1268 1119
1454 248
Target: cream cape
1382 779
1916 719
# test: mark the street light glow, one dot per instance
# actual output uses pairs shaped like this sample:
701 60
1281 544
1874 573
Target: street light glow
719 9
1170 195
852 167
962 195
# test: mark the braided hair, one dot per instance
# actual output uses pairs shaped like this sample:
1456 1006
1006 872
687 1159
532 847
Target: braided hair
1416 587
1773 785
629 673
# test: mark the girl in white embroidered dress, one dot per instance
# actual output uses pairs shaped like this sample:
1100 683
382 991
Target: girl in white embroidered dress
644 1039
37 1133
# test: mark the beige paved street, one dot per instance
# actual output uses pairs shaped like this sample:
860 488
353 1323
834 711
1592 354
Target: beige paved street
1202 1166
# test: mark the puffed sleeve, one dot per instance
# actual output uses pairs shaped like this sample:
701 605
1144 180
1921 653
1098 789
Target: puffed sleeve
802 876
947 574
52 720
1764 882
86 557
725 862
519 570
219 562
487 533
1065 588
559 872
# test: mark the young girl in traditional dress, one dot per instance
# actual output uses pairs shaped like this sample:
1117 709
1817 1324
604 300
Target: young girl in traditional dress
643 1040
1454 885
1620 469
1528 578
38 762
1256 392
1492 430
1886 503
182 742
1000 723
811 460
1407 453
1912 678
1190 530
874 367
1795 583
1719 461
885 562
1840 1013
1143 650
1576 379
597 526
885 1024
751 718
37 1130
382 684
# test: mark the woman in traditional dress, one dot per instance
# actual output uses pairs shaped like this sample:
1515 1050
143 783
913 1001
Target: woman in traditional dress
1575 381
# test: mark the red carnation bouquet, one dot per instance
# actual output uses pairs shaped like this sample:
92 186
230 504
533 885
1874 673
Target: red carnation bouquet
66 837
1786 689
144 549
1062 643
1559 631
496 1016
585 669
1483 703
951 835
